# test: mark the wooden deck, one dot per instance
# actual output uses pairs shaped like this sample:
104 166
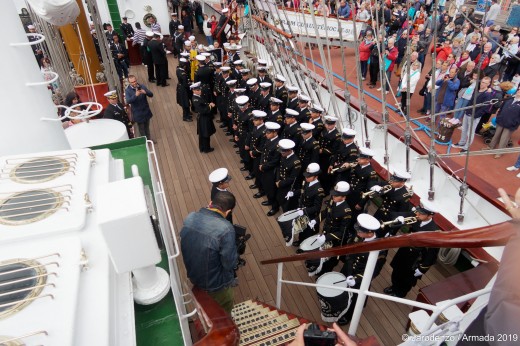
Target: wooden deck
185 175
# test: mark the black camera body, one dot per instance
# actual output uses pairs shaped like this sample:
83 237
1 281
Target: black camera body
313 336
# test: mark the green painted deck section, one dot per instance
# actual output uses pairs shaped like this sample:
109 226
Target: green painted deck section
156 324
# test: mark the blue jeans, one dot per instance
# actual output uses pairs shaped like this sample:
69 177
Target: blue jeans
210 40
517 163
364 68
461 103
427 104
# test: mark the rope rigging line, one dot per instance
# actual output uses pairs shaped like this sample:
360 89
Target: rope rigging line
408 130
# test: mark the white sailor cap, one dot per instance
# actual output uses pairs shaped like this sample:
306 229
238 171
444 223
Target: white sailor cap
426 207
219 175
200 47
329 119
181 27
195 86
235 47
245 71
306 127
259 114
93 32
348 133
200 57
261 62
210 47
274 100
272 126
312 170
184 54
366 223
158 34
242 100
400 175
206 54
225 10
225 68
303 98
174 13
286 144
280 78
149 34
217 64
316 108
240 90
112 94
226 45
252 81
191 38
265 85
341 189
231 82
238 62
187 43
292 89
183 60
365 152
291 113
30 26
261 68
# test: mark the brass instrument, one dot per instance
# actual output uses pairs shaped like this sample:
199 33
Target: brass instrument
407 221
341 168
384 190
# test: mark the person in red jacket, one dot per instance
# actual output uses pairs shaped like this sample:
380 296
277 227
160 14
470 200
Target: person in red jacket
443 50
364 52
391 53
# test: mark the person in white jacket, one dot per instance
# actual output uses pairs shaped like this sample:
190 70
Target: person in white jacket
415 74
206 26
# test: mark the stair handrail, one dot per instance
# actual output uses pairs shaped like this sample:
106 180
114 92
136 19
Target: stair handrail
232 9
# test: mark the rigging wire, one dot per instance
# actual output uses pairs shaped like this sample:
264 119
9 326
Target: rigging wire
408 130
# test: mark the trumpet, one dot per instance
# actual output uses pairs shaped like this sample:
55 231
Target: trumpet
384 190
341 168
407 221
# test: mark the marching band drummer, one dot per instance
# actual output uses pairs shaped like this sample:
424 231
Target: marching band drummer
220 179
345 155
411 263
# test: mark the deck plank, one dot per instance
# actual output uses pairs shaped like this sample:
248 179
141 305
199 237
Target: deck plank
185 171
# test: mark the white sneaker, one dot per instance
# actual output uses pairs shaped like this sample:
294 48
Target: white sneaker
512 168
378 89
518 175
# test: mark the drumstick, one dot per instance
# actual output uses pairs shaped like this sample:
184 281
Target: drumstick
337 282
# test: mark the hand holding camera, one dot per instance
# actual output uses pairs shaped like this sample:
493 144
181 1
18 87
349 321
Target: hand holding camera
310 335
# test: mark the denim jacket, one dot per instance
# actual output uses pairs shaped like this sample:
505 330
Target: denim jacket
209 250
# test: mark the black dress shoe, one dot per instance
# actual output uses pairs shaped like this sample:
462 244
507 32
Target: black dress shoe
296 243
168 78
152 80
221 125
272 212
219 121
253 186
388 290
241 161
343 321
166 84
249 177
258 195
243 169
266 203
188 120
231 140
228 134
210 150
299 250
237 151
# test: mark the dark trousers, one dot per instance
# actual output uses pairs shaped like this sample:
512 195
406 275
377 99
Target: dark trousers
151 71
161 74
186 113
204 143
258 174
269 187
144 129
364 68
121 68
374 72
404 97
403 280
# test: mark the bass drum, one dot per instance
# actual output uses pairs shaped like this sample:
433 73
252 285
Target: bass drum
334 303
289 224
314 265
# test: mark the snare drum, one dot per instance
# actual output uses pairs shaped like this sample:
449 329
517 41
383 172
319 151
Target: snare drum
334 303
290 224
314 265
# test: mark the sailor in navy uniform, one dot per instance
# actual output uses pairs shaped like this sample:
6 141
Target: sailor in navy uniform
206 77
395 202
183 90
237 65
330 140
280 91
219 91
231 105
346 154
354 267
244 77
337 217
254 143
286 176
116 111
244 126
411 263
253 91
262 75
303 108
220 179
275 114
174 24
309 149
233 54
310 200
120 56
315 119
361 177
292 97
205 127
269 161
178 41
265 97
291 129
127 28
110 32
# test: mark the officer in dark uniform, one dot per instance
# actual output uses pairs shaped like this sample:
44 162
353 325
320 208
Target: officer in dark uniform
231 106
120 56
329 140
361 177
178 41
345 155
292 129
244 128
286 176
316 112
116 111
244 77
354 267
310 200
219 90
411 263
303 109
292 97
205 127
206 77
262 75
220 179
110 32
174 24
269 161
280 91
159 59
183 90
265 97
396 201
126 28
253 92
233 54
236 66
254 145
309 149
275 115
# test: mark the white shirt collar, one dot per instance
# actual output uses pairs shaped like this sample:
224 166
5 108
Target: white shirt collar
313 182
338 203
424 223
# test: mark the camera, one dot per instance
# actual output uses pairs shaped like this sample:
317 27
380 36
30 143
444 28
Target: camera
313 336
138 87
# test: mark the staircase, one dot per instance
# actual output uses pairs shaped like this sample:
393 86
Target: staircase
263 325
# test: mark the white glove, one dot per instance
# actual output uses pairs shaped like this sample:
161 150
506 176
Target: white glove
417 273
350 281
312 223
320 240
399 219
289 195
376 188
300 212
168 52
